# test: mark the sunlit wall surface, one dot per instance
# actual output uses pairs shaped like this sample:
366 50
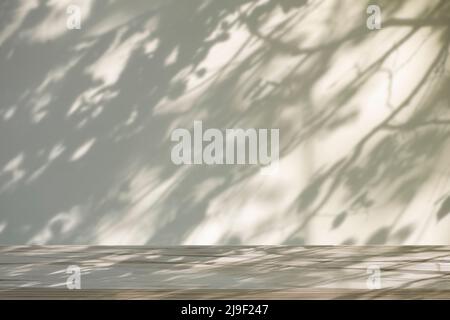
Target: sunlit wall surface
86 116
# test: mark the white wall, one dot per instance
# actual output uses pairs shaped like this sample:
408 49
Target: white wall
86 117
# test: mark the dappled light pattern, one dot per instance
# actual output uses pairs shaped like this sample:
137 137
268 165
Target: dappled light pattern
237 272
86 117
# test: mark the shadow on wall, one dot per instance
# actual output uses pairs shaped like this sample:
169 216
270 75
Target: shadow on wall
86 117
